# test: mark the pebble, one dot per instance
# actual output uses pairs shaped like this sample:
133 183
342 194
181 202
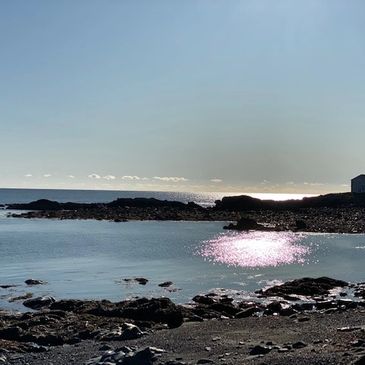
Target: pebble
260 350
349 329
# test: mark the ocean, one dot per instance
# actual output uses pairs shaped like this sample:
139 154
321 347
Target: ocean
8 196
90 259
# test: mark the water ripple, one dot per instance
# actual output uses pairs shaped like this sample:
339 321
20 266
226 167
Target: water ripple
255 249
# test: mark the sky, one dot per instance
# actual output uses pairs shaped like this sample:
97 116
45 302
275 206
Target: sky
204 95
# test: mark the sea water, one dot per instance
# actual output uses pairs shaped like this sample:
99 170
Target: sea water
89 259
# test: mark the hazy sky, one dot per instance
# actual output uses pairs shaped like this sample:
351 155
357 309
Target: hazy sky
182 95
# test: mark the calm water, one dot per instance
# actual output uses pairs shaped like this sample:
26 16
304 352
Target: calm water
88 259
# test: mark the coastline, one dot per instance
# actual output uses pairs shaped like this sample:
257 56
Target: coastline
332 213
325 327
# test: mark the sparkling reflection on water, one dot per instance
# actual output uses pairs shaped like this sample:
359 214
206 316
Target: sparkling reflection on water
256 249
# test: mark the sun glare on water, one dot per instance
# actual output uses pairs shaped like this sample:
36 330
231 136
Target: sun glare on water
255 249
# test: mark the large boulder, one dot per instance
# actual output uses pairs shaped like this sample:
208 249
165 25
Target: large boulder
304 286
39 302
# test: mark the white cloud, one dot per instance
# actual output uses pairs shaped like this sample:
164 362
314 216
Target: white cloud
109 177
313 184
170 178
47 175
130 177
94 176
216 180
71 176
28 175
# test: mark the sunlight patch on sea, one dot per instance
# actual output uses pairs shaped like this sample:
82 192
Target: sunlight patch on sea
255 249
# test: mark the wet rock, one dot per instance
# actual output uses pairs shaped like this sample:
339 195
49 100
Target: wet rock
7 286
20 297
35 282
305 286
203 299
141 281
165 284
39 302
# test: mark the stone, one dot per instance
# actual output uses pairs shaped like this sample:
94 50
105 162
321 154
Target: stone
165 284
141 281
260 350
274 307
205 361
299 345
305 286
247 312
203 299
35 282
39 302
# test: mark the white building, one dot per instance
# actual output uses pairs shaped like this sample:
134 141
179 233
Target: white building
358 184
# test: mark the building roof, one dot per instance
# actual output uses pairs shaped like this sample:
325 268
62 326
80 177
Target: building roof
362 176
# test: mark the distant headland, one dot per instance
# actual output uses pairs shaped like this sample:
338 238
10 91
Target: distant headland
333 213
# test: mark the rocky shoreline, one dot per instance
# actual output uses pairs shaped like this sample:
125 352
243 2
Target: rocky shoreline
331 213
320 321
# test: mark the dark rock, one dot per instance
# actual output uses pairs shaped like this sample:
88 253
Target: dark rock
245 224
203 299
39 302
248 312
326 304
274 307
305 286
105 348
141 281
165 284
300 225
142 357
8 286
260 350
299 345
35 282
161 310
205 361
359 361
11 333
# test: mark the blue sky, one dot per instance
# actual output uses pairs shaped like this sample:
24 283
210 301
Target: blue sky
182 95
